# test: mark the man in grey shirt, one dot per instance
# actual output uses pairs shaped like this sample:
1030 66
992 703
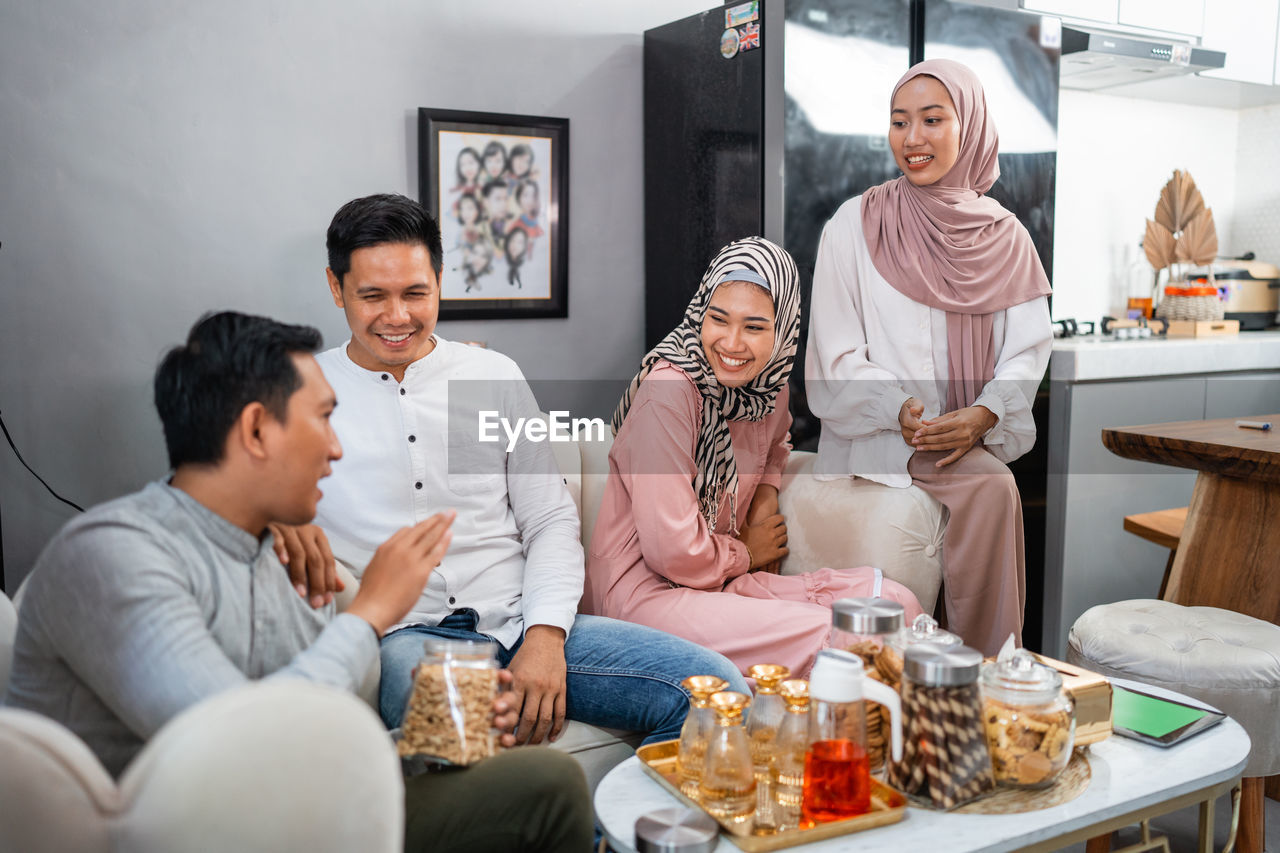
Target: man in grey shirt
152 602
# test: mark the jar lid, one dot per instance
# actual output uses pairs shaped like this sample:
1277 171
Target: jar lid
938 665
676 830
867 615
1019 679
923 629
701 687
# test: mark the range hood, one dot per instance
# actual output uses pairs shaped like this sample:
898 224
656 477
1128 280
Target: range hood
1099 60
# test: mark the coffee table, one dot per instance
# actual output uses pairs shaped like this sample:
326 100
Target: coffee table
1131 781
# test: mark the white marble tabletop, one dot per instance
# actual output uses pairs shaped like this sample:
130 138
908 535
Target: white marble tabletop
1092 357
1126 775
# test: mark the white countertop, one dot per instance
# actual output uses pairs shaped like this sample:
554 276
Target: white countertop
1091 357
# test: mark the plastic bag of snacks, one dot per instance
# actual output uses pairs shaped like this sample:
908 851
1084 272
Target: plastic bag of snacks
449 715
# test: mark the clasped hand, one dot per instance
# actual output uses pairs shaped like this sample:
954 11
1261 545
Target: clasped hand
955 431
765 531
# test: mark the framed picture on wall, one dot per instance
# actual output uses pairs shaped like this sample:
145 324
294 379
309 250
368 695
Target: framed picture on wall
499 186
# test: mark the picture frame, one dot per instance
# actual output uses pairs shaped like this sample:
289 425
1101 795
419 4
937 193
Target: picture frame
498 184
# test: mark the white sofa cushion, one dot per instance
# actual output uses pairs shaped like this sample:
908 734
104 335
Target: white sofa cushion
852 522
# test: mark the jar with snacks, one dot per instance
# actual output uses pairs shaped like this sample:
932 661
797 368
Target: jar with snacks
860 625
449 715
1030 720
699 723
945 761
728 787
762 733
788 755
837 771
924 629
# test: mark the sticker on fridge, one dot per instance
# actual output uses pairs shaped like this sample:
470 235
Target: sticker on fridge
749 37
743 13
729 43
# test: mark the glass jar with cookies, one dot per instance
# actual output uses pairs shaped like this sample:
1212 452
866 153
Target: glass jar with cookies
1029 720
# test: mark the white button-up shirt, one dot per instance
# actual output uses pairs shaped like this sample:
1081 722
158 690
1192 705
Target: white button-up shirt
870 348
412 448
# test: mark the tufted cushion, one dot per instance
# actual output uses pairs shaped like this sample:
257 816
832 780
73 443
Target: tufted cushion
855 522
1227 659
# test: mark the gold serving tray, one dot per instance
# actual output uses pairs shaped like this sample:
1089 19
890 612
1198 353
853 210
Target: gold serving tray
887 805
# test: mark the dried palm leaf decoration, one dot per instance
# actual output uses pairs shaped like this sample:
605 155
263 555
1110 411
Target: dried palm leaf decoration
1183 230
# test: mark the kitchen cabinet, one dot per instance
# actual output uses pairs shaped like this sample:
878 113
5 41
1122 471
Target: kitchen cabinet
1102 11
1088 557
1185 17
1246 30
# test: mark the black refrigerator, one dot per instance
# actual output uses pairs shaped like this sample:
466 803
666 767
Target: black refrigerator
769 128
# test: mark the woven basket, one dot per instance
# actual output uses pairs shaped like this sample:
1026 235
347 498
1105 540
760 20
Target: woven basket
1190 303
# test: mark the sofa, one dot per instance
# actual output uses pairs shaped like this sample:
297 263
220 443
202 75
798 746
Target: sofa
250 744
829 523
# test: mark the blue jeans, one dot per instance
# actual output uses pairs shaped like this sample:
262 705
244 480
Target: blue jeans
620 675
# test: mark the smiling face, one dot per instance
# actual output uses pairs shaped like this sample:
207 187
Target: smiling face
495 203
391 297
468 210
495 163
521 163
517 243
468 166
738 332
924 130
301 446
527 197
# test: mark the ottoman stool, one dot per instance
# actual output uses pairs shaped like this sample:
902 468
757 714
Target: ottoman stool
1222 658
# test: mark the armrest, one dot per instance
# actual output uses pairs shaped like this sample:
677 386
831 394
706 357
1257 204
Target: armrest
272 765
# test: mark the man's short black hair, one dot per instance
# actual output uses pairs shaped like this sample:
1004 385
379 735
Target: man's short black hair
229 361
377 219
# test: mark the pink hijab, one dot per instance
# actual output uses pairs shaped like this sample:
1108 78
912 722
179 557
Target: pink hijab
950 247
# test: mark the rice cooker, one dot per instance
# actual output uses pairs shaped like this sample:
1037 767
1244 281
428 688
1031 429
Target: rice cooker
1250 291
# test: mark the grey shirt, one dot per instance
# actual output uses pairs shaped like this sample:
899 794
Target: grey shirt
146 605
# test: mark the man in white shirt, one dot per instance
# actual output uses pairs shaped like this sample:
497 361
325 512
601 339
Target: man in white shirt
514 572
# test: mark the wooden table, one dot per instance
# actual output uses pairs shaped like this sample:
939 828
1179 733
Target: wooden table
1229 554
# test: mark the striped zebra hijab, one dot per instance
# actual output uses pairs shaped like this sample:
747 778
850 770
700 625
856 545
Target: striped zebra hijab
769 266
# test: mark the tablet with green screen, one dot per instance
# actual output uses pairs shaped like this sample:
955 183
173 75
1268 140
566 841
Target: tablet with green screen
1150 719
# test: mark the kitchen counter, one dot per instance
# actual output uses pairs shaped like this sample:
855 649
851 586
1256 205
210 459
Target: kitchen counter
1092 358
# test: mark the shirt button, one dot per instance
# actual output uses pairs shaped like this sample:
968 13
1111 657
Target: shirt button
413 438
401 392
452 601
385 377
417 485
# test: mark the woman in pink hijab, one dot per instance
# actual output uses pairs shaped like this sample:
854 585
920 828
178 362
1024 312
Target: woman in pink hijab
928 337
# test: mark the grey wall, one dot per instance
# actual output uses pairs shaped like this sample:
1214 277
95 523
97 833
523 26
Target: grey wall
160 159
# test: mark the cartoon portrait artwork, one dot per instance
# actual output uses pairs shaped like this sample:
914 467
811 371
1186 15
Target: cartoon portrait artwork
494 216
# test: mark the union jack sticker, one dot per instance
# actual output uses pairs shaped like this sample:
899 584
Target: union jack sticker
749 37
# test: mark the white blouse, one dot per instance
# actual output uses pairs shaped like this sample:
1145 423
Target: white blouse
871 347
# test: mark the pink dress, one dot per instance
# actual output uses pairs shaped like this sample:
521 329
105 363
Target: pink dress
654 561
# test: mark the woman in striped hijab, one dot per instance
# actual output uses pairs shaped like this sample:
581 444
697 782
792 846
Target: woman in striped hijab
689 539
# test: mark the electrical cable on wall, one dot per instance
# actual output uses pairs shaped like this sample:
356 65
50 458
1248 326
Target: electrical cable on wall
71 504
